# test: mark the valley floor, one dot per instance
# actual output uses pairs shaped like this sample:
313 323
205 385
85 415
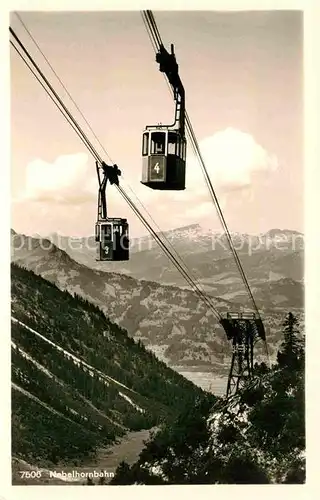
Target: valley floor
207 381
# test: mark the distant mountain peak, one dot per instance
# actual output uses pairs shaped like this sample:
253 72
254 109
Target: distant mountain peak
276 231
186 228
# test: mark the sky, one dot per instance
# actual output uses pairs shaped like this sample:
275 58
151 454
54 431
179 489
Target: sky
243 77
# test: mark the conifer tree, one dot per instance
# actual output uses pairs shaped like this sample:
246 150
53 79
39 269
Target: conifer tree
123 474
291 352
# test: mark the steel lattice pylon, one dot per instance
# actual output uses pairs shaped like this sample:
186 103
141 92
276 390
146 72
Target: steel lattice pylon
244 330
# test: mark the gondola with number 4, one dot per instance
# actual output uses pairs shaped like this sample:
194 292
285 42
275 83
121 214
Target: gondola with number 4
164 146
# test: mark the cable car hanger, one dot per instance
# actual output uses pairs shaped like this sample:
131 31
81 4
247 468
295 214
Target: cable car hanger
110 173
168 65
164 146
111 233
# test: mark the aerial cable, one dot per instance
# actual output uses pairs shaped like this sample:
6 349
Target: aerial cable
62 84
163 246
169 244
46 90
221 216
94 153
148 29
150 21
87 142
103 148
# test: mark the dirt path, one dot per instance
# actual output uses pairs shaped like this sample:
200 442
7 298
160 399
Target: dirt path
128 449
107 460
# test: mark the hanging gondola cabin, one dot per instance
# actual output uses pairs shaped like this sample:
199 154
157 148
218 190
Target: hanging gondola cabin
163 159
112 236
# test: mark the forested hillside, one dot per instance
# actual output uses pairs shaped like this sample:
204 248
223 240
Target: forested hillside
78 380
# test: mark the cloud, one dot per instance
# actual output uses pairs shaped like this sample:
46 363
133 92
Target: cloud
69 180
233 160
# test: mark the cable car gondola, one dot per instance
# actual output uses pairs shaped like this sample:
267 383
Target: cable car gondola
111 234
164 146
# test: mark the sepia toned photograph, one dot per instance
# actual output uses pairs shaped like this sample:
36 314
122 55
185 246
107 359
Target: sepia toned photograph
157 247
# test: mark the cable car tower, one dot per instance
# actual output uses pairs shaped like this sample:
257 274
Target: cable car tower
111 233
244 330
164 146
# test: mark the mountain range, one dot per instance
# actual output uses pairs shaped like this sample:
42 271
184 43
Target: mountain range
269 257
148 298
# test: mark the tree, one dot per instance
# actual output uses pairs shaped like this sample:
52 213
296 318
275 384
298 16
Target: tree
291 352
102 480
123 474
242 469
297 473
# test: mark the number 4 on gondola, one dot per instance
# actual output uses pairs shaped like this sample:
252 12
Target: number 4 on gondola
157 168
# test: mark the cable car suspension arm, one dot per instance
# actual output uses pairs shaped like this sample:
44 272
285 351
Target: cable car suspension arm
111 174
169 66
